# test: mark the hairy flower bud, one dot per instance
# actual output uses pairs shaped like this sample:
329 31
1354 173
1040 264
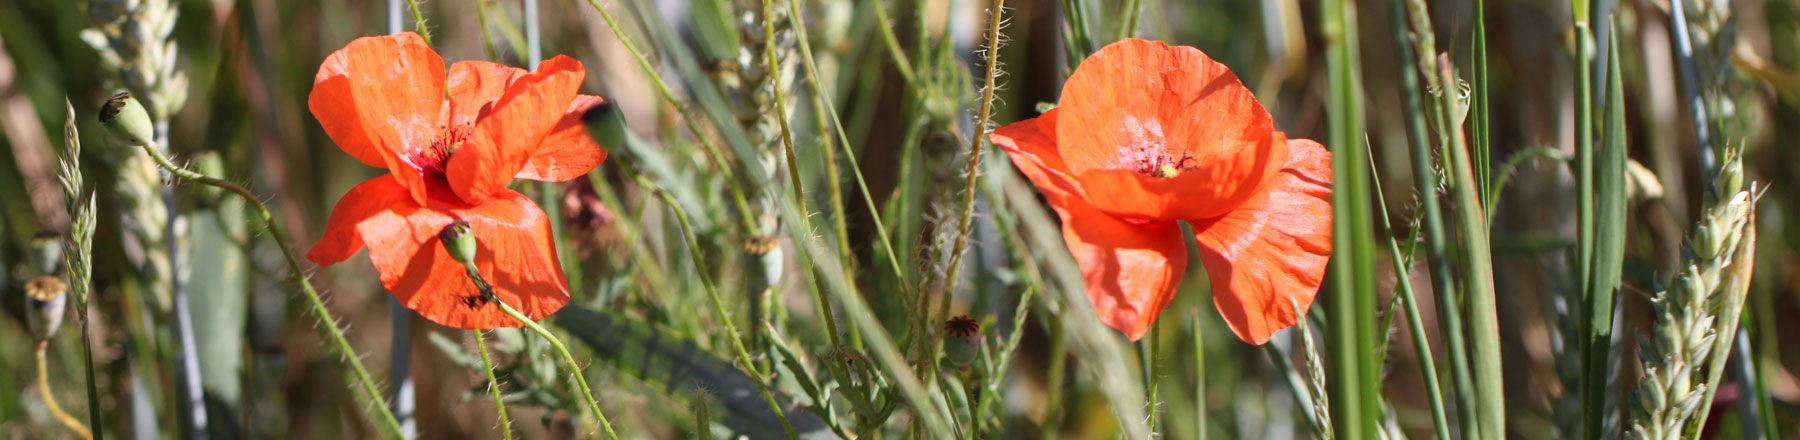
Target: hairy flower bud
125 118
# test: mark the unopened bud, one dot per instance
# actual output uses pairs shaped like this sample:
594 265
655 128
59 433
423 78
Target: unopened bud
125 117
459 241
606 125
44 301
960 341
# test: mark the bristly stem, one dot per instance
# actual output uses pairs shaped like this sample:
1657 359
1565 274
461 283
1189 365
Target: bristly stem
419 21
971 174
580 379
487 366
823 105
712 293
793 165
383 417
748 220
1355 384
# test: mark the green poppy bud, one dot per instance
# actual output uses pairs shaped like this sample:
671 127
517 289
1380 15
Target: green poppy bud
960 341
44 301
606 125
126 118
459 240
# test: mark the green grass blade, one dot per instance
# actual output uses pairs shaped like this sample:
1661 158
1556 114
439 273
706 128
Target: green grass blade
1479 102
1437 241
1415 325
1354 382
661 356
1609 252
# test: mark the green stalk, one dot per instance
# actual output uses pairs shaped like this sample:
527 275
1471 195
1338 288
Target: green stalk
833 180
1609 252
737 341
1479 102
830 110
712 152
1354 382
383 417
575 371
883 23
996 13
1146 352
1479 284
1437 241
419 21
1427 364
487 365
787 145
1200 379
1130 16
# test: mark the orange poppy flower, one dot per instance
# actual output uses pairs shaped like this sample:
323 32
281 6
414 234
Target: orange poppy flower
1146 135
451 144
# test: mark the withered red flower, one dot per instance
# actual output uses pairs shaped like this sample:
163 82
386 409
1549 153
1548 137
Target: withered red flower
451 143
1146 135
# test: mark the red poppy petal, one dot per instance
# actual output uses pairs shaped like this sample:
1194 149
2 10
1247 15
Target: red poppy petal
475 86
1139 102
567 152
1031 144
378 94
369 202
1272 249
1131 268
506 138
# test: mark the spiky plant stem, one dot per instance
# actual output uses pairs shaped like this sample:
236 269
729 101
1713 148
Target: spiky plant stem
971 174
383 417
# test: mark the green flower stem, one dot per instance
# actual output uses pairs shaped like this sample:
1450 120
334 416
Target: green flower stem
712 152
383 417
972 173
793 165
893 44
830 110
580 379
419 21
718 305
487 365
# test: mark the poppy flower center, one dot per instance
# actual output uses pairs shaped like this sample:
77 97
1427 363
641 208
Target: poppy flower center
1157 164
435 157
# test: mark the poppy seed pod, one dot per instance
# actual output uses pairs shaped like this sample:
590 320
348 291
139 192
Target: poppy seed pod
960 343
459 241
125 117
44 301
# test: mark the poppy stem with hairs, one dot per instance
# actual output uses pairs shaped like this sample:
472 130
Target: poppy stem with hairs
487 365
383 417
487 292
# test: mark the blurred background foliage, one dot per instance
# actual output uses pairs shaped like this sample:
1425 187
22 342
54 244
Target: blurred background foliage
654 345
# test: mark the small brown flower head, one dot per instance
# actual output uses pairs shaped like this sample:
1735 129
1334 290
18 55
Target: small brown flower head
44 301
962 326
759 245
960 343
